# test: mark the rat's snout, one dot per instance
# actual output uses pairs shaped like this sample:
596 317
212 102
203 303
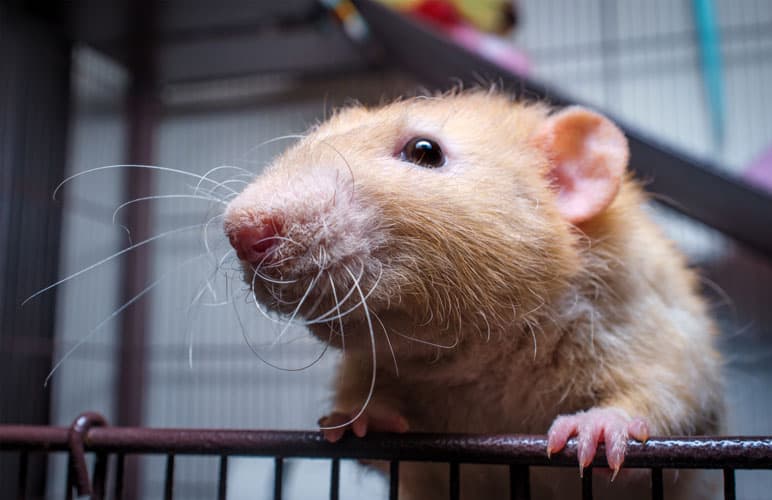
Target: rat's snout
255 243
289 223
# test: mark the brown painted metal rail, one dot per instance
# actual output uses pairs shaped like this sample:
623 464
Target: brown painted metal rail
89 434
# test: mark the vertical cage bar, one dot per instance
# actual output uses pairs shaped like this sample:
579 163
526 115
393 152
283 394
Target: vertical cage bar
222 479
70 479
455 481
21 487
394 480
729 486
519 482
335 479
142 115
99 477
278 477
587 484
656 484
35 64
118 492
169 481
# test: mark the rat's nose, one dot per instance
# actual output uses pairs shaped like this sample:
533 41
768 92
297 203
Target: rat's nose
256 242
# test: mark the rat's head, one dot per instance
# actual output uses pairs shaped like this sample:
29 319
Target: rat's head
439 211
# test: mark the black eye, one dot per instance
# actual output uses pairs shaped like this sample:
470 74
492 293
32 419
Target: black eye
424 152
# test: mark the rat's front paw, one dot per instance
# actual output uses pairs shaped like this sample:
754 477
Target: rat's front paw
334 425
611 426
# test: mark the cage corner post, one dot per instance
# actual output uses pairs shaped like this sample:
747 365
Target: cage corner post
142 112
35 62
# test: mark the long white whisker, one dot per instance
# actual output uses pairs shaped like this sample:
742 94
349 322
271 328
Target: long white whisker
324 319
115 313
111 257
259 265
205 235
269 141
278 263
422 341
388 341
215 169
222 260
372 343
318 301
345 161
300 304
164 197
272 280
256 269
110 167
263 312
228 182
261 358
488 325
197 297
340 319
128 232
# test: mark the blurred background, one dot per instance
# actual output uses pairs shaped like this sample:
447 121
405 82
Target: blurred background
197 86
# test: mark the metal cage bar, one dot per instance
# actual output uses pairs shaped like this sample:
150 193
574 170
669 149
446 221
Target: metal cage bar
657 485
519 482
169 479
587 484
518 452
394 480
222 479
729 486
455 481
278 478
335 479
721 452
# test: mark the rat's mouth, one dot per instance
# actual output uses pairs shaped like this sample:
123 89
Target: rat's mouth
328 295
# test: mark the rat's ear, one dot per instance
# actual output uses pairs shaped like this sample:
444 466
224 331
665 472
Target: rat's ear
588 156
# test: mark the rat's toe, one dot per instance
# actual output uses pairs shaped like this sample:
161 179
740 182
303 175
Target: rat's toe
638 429
611 426
560 431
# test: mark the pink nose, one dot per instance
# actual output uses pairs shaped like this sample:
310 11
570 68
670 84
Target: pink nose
255 243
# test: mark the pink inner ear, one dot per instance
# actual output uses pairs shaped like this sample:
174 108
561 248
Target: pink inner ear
589 156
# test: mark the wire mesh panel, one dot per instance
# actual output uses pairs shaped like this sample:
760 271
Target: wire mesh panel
641 61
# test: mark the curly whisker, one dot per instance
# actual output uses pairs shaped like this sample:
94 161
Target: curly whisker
355 306
109 258
111 167
374 357
388 341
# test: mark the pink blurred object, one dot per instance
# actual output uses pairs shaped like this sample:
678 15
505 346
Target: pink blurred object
760 171
444 16
494 48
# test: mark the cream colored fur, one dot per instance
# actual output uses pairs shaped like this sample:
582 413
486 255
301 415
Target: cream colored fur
501 314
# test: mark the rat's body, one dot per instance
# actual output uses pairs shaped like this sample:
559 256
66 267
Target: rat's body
518 280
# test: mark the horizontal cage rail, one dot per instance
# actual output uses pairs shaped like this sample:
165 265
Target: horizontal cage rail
671 452
90 434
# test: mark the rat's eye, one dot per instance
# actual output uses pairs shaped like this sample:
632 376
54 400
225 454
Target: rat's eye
424 152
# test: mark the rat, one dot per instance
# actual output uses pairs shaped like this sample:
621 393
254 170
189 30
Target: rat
486 265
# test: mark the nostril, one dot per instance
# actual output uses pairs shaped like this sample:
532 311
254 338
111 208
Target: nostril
253 243
264 244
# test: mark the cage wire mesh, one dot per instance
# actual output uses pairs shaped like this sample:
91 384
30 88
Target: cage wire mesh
638 60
